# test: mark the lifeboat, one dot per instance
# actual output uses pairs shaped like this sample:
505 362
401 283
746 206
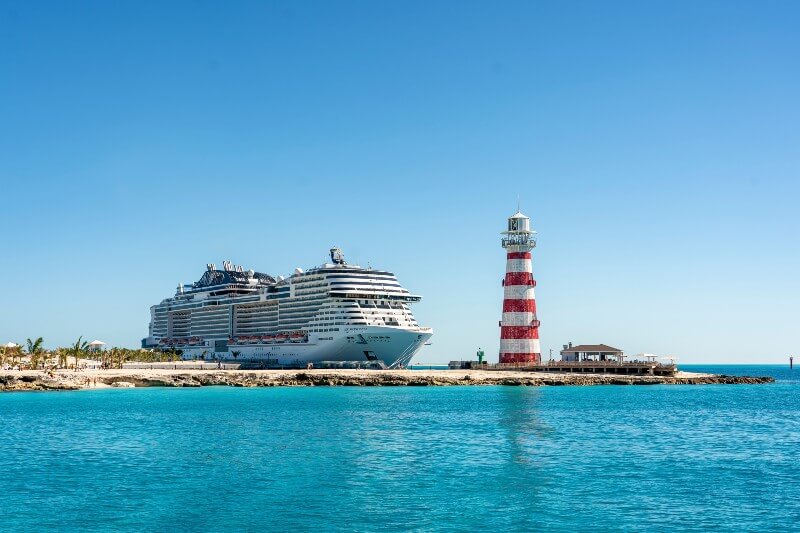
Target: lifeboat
231 340
281 337
269 338
162 341
264 339
296 336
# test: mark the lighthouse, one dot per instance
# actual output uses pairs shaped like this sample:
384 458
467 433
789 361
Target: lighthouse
519 328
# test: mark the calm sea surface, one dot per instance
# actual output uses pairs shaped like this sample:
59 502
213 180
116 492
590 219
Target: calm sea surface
423 459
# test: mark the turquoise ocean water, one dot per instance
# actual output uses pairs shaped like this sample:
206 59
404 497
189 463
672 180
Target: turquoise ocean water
424 459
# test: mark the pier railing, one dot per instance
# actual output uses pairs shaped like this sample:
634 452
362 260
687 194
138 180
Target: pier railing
606 367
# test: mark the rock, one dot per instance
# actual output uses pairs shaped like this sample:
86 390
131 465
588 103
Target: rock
15 380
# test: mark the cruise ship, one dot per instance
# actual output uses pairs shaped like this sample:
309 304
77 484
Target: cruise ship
336 313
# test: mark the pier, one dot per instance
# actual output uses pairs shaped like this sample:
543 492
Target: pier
634 368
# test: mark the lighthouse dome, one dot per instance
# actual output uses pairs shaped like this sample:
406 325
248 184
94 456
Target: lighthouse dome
519 222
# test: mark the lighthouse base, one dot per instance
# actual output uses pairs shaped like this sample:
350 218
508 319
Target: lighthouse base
533 358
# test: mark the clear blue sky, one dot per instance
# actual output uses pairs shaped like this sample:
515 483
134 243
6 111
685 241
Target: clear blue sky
655 145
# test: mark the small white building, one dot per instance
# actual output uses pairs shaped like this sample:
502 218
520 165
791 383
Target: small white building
591 352
96 346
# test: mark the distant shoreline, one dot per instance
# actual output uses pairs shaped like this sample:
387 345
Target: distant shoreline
31 380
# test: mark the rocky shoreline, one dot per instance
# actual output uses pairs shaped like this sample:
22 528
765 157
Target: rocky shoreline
67 380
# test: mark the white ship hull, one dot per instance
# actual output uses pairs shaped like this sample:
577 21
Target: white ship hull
391 345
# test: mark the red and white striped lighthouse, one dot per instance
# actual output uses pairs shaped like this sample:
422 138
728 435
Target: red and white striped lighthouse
519 329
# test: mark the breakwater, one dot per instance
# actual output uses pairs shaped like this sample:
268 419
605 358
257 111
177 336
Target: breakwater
66 380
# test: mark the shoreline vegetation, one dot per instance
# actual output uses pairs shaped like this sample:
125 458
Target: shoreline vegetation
35 380
33 356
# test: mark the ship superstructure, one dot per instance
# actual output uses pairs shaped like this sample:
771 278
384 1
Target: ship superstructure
335 313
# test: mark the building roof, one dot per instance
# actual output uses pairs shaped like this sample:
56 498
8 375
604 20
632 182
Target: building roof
582 348
97 343
518 214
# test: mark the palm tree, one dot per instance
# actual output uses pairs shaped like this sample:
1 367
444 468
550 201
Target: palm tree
7 352
35 351
78 349
62 354
117 356
16 353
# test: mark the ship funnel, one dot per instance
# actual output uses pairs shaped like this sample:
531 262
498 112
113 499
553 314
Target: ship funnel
337 256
